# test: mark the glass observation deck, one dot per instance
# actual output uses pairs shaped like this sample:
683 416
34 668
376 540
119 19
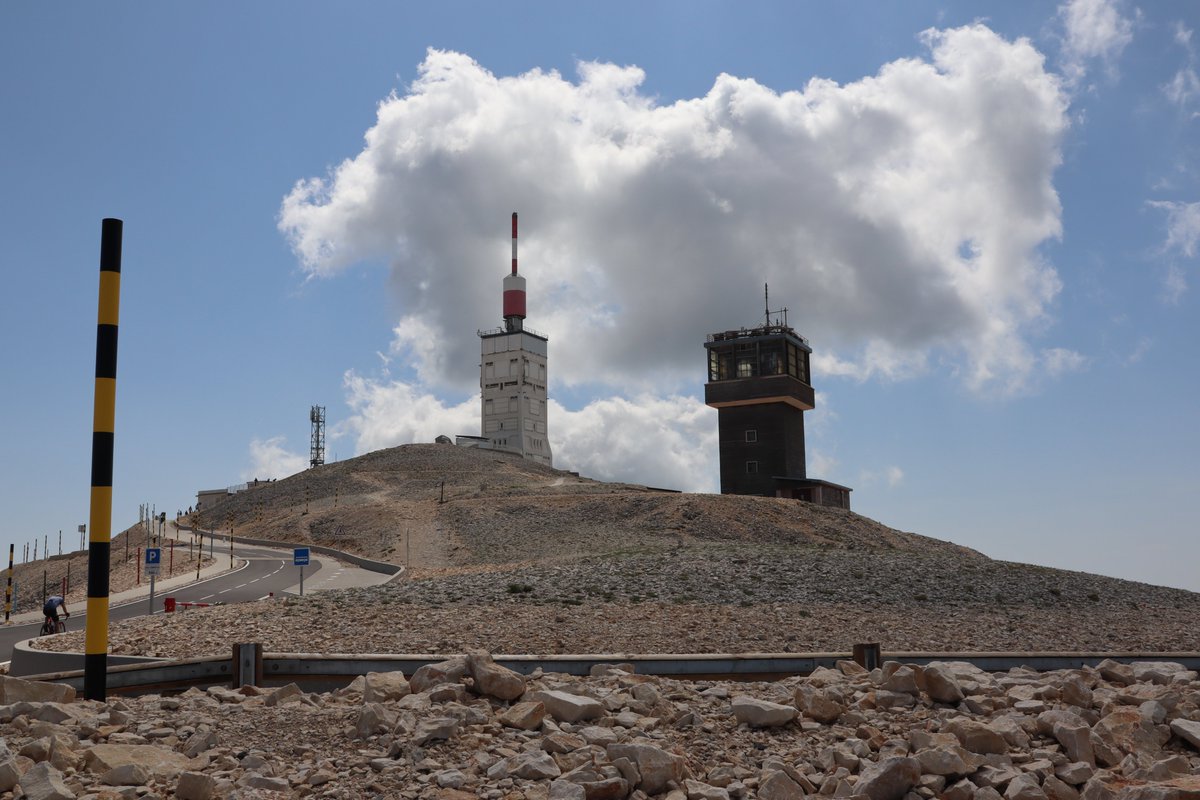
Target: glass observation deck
757 352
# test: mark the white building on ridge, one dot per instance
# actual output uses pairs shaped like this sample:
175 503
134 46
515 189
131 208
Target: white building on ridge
512 377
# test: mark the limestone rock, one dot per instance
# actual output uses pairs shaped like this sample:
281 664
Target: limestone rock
779 786
946 760
1115 672
899 678
126 775
158 761
526 716
373 719
656 767
535 765
16 690
380 687
1056 789
1076 741
1024 787
976 736
285 694
761 713
1076 773
818 704
198 742
941 685
890 779
566 707
194 786
1123 731
449 671
10 774
565 790
434 728
44 782
493 680
1187 730
1075 692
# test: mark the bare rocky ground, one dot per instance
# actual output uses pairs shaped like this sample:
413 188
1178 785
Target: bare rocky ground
467 728
523 559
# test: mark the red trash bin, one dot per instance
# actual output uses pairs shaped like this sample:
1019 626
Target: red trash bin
169 605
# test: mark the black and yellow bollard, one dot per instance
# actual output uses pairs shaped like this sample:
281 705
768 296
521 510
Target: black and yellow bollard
95 664
8 591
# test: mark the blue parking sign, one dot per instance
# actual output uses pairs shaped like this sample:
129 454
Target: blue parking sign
300 557
153 561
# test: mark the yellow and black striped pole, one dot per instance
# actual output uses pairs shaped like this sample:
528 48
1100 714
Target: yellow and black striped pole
95 664
8 591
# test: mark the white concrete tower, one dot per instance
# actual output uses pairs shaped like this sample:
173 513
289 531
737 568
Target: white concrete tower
512 376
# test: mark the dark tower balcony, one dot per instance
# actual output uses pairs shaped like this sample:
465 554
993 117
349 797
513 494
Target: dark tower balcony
768 364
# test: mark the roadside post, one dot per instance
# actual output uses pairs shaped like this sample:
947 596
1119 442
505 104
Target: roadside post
300 559
8 591
153 566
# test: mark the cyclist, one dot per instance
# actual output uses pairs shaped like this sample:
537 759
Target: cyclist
53 603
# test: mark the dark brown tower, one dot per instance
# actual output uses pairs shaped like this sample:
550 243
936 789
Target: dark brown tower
758 380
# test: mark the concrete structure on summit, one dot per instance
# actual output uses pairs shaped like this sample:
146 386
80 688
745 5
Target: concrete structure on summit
760 384
512 378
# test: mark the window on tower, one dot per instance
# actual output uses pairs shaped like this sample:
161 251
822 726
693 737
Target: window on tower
771 357
751 467
751 435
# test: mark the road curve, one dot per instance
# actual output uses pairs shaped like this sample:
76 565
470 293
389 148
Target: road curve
264 571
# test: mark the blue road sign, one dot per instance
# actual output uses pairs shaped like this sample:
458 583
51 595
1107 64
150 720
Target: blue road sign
153 561
300 557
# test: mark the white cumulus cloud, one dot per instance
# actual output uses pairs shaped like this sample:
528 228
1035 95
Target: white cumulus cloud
661 441
1183 238
1094 30
898 217
388 413
270 459
1183 225
1184 89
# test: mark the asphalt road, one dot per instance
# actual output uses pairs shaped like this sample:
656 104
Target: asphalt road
265 571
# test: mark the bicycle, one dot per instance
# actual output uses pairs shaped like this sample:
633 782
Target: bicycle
51 626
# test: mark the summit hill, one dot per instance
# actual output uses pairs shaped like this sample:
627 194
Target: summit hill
513 557
464 506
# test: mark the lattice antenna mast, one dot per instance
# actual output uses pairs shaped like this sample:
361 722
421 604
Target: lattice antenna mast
316 451
780 315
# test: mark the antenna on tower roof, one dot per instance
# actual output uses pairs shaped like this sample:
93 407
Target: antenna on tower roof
779 320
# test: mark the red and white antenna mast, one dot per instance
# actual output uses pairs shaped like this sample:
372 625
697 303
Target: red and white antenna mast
514 289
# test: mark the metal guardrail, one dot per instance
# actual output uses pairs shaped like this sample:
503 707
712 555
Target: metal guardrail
382 567
327 671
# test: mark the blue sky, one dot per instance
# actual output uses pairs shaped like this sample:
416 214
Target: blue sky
985 218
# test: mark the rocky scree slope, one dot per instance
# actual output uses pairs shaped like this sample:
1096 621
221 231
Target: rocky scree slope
468 729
